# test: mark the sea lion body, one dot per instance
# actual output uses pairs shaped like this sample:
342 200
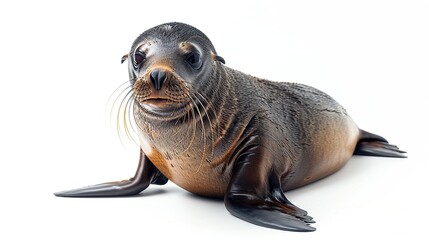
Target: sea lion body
217 132
302 151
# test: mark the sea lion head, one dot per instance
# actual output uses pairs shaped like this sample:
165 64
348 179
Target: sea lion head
168 65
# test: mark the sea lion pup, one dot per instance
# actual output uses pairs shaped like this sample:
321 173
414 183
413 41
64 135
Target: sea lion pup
217 132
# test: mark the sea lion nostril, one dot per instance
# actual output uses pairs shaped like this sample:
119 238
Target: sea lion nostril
157 77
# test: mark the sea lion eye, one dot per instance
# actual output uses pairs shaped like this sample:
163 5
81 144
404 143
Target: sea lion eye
194 59
139 57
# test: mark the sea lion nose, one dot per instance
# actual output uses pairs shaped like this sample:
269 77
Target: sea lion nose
157 77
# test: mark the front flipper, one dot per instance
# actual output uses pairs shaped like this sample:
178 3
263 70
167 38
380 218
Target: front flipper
146 174
255 195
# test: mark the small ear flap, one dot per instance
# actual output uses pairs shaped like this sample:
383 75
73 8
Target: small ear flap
220 59
125 57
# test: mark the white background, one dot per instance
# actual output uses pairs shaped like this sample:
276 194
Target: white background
60 61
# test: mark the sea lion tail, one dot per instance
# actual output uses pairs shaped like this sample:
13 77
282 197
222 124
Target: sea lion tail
371 144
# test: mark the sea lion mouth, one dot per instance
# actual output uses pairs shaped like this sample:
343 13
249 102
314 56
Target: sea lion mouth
158 102
163 106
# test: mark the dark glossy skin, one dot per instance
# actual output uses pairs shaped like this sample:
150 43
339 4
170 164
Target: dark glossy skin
217 132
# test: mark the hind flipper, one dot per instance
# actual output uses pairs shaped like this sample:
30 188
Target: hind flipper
371 144
376 148
145 175
254 194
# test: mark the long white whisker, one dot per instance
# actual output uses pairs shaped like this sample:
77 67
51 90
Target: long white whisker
210 123
213 111
127 119
115 102
203 133
190 114
122 107
114 93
